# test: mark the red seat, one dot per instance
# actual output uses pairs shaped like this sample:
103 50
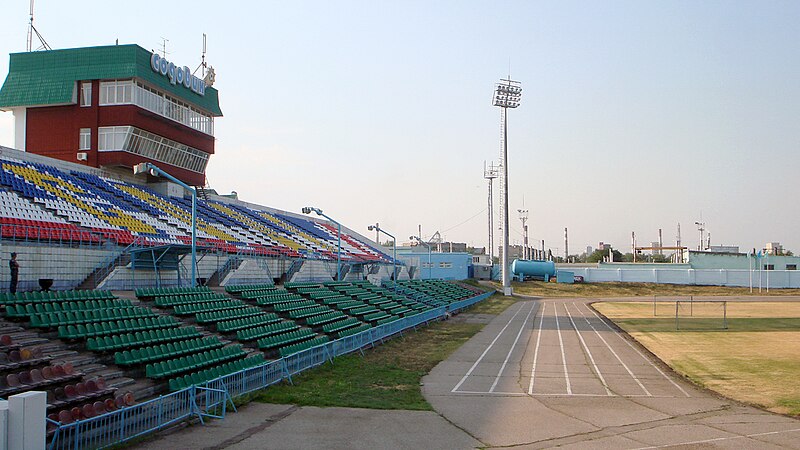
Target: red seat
12 380
80 388
88 410
70 391
65 416
99 408
110 405
101 383
129 400
68 368
47 373
59 394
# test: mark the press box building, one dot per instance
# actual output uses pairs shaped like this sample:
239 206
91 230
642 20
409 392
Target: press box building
112 107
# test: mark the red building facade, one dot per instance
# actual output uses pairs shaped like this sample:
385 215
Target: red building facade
126 108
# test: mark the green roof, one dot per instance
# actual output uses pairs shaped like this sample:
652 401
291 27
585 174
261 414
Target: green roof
49 77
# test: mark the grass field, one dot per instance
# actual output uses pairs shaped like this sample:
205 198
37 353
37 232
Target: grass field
757 360
615 289
388 376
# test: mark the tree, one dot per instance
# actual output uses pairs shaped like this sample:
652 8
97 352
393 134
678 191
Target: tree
600 255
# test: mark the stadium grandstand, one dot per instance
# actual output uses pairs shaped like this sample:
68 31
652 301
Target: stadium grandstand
106 319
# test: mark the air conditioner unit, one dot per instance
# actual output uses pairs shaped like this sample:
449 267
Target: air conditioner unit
82 156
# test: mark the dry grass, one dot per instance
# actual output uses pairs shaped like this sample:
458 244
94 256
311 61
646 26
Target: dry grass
616 289
754 361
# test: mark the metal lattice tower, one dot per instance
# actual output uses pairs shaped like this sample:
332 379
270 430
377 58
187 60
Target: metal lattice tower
490 173
523 217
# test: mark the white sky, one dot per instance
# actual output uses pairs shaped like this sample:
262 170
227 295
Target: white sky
635 115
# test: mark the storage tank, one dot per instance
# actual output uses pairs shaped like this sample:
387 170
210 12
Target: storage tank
525 268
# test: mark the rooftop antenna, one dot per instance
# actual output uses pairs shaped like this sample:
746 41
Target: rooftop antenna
203 64
164 51
31 31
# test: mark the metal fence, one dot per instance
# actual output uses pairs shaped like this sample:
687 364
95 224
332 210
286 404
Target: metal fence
213 398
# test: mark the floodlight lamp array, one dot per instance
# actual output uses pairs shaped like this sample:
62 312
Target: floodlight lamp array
309 210
507 94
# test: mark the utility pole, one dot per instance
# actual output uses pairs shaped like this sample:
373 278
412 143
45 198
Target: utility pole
566 246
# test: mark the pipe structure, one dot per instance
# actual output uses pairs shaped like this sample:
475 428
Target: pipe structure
430 266
156 171
309 210
378 229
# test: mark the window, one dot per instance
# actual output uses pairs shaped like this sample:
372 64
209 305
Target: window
85 141
769 266
116 92
112 138
86 94
791 267
166 106
445 265
426 265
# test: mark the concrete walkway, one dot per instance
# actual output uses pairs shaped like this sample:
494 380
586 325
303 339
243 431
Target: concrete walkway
267 426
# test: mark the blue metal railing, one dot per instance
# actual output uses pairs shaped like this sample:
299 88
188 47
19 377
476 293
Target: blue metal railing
212 398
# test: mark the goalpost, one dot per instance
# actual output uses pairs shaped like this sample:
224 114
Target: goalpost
701 315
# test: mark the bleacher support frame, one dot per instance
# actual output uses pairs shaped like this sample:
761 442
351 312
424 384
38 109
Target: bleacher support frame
211 399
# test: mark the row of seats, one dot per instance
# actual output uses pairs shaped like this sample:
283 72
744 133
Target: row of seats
169 350
7 298
89 410
194 361
88 330
203 376
140 338
237 289
295 348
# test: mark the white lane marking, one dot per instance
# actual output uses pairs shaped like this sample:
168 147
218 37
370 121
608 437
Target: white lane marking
638 352
704 441
513 346
563 356
522 394
618 358
469 372
588 352
536 351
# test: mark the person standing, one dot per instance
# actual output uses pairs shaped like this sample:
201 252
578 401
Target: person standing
14 266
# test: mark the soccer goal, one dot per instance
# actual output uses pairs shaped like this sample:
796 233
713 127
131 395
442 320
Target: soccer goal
701 315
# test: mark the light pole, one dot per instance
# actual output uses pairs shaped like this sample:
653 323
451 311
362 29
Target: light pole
430 266
378 229
155 171
309 210
507 94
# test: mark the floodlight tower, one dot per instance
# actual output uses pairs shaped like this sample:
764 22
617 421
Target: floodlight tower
490 173
701 227
507 94
523 217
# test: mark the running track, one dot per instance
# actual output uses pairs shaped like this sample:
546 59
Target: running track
555 373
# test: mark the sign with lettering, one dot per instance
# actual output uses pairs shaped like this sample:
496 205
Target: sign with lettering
177 75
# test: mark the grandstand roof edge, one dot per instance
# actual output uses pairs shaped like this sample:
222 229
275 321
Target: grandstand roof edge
48 77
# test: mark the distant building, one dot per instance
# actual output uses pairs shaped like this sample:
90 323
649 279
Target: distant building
603 246
514 251
589 250
724 248
773 248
